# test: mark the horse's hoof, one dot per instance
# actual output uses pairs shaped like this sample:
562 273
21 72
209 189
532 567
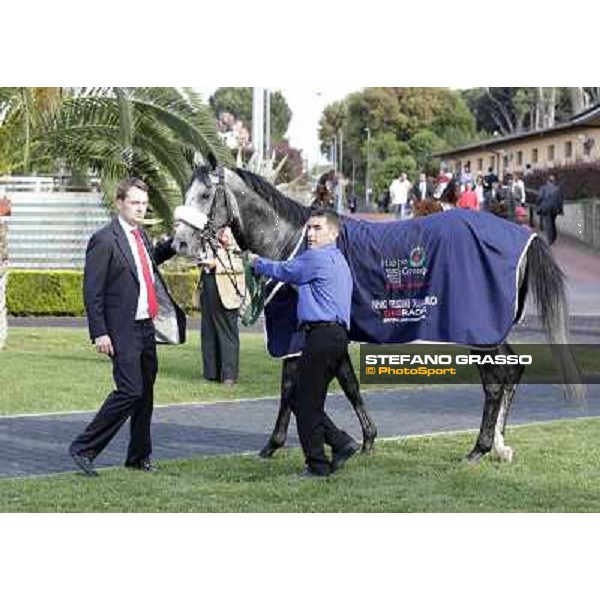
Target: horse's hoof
506 454
473 458
269 450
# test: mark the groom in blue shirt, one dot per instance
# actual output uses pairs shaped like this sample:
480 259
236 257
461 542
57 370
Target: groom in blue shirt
324 293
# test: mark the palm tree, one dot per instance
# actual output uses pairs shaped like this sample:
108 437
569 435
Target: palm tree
20 111
151 133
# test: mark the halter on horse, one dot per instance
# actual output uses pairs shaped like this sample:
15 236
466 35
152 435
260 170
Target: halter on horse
271 225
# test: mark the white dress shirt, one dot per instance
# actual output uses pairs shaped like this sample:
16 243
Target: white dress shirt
142 306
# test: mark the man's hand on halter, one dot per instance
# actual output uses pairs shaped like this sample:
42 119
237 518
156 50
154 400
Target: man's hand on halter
252 258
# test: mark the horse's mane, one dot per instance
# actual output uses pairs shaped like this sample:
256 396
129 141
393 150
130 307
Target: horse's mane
292 211
426 207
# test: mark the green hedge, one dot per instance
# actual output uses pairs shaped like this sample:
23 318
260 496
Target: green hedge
59 293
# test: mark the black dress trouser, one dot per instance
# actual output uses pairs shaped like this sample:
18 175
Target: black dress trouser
219 334
326 347
134 371
549 225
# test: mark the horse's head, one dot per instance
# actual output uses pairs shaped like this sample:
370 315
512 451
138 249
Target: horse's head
208 207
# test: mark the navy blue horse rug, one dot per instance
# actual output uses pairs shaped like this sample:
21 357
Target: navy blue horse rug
450 277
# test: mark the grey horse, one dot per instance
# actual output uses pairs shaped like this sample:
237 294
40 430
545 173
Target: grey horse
268 223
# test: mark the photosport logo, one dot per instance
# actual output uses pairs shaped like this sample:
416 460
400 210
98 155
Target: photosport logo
448 364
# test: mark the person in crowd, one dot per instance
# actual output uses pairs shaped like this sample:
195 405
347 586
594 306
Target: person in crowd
441 182
352 203
223 289
466 178
468 199
549 205
490 187
422 189
399 195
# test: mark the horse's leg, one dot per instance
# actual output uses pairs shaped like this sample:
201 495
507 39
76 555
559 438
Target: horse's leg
349 383
514 373
493 388
289 372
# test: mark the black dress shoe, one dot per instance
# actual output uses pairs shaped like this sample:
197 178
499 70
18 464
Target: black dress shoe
85 463
341 457
143 465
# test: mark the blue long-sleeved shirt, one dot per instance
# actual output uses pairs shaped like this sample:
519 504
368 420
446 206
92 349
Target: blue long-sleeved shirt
324 283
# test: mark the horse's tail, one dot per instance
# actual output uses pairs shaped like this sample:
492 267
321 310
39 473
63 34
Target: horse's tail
547 285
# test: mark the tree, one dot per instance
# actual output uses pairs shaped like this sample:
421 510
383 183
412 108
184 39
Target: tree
423 145
151 133
21 109
394 116
512 109
238 102
293 166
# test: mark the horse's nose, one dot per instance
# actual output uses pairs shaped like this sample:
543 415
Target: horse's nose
183 246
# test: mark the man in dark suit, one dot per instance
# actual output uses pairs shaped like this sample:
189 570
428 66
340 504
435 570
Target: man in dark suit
422 190
129 308
549 206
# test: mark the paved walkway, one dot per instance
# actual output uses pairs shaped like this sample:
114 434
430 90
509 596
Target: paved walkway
38 445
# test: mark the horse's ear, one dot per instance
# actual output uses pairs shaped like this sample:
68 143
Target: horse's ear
212 161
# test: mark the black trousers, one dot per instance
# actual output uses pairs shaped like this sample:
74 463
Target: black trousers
134 371
220 338
326 347
549 226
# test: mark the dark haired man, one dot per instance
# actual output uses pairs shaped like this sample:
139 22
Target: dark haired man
549 206
324 292
123 293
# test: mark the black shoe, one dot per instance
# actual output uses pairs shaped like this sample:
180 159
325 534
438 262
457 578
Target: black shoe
143 465
85 463
310 474
341 457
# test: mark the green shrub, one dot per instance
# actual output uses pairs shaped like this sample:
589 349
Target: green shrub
45 293
60 293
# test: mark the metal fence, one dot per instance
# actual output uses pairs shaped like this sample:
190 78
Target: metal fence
50 225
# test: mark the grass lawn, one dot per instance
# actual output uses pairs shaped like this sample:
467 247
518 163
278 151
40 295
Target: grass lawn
53 370
556 470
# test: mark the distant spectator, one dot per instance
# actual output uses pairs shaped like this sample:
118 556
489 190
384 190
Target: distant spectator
325 192
442 180
479 189
521 216
384 201
352 203
399 190
466 178
549 206
468 199
422 189
520 194
490 185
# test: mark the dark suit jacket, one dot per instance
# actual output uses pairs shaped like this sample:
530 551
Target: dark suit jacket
550 200
111 289
415 192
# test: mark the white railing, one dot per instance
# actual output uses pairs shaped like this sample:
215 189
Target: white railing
50 229
50 183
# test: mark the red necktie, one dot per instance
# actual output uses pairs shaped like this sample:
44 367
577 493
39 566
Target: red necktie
152 302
